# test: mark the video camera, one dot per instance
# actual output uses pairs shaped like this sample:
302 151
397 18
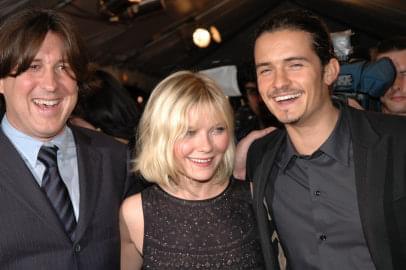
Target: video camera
362 80
365 81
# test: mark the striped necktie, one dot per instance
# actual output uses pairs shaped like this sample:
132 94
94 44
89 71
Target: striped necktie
55 189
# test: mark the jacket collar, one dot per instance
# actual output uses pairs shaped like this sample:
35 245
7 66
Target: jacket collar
17 179
370 150
90 172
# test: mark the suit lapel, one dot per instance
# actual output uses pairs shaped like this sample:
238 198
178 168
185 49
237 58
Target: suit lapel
90 173
261 179
370 162
262 174
17 179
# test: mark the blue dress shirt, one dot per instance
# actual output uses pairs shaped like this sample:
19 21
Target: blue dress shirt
28 148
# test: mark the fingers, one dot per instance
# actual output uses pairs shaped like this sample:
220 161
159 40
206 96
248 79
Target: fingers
242 150
256 134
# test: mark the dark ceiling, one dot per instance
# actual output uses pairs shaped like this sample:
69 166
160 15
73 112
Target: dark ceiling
156 40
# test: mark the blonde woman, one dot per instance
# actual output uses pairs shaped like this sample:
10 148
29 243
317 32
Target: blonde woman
194 216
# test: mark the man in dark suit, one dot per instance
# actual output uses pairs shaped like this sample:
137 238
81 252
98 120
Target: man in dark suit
60 186
329 188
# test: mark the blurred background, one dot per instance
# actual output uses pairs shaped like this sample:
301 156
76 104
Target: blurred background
141 41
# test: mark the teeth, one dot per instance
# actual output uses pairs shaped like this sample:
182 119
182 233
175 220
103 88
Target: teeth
282 98
200 160
45 102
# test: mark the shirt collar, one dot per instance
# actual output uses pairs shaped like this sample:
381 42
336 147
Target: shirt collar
337 146
287 154
29 147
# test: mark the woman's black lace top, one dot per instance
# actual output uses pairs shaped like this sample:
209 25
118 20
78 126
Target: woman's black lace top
217 233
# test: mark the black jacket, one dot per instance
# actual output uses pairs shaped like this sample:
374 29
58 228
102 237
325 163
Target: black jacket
379 147
31 235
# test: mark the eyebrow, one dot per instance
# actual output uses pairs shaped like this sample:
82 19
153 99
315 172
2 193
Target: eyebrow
62 60
289 59
264 64
296 58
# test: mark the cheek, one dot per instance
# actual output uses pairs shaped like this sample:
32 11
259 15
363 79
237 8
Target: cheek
263 83
25 81
222 143
16 92
181 150
402 82
262 97
73 99
176 151
72 90
387 94
69 85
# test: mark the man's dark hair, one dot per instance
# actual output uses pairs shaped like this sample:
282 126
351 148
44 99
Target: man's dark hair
246 74
302 20
22 34
397 43
109 106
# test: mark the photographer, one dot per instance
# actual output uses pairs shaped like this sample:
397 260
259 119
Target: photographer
394 100
253 114
360 82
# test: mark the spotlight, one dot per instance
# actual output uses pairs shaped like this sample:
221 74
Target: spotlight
215 34
201 37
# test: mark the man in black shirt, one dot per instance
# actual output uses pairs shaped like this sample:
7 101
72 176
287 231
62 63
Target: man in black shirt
331 186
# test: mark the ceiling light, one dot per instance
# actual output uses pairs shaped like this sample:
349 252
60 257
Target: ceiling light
215 34
201 37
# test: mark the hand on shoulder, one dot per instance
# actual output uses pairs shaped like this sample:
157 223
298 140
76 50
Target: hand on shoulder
242 150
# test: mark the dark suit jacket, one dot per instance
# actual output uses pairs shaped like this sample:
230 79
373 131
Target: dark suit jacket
31 235
379 147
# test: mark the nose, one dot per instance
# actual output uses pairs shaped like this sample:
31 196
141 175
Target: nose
48 81
205 143
281 79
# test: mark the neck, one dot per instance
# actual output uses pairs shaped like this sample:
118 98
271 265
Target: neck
190 189
308 137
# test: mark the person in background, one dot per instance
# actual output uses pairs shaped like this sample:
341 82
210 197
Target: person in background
109 108
394 100
253 114
330 189
194 216
60 186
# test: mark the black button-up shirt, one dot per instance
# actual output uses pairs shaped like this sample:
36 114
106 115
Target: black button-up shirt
314 205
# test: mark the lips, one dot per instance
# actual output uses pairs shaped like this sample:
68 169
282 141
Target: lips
398 98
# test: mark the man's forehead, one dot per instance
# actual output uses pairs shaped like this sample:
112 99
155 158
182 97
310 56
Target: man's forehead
399 55
283 44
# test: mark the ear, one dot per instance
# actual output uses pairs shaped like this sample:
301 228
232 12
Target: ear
331 71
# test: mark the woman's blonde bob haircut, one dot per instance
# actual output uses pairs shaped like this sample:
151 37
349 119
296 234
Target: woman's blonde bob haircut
165 120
